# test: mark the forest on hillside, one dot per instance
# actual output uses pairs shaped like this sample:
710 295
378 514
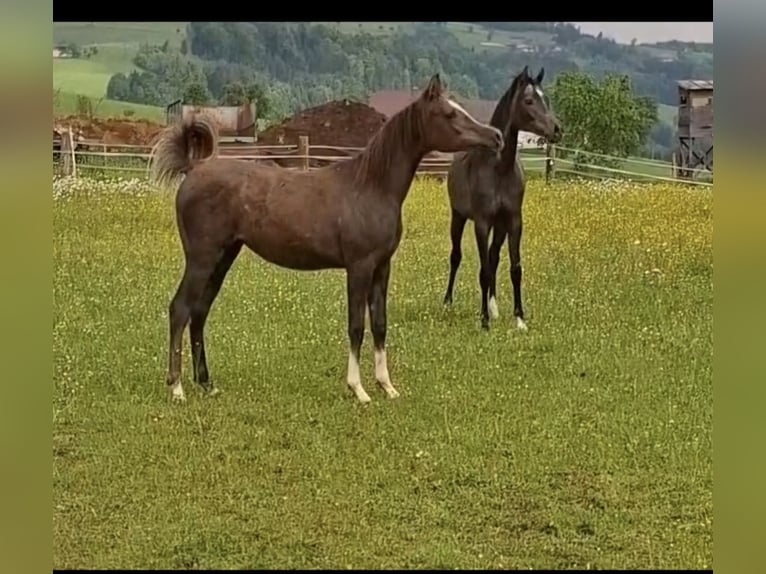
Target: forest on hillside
303 64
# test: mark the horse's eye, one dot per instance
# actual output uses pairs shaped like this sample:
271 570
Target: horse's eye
529 101
451 114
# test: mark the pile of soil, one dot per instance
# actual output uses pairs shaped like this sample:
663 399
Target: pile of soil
338 123
132 132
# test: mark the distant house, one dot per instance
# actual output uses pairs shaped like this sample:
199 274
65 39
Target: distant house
61 52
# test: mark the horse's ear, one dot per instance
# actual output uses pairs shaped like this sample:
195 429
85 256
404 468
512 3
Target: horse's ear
525 72
539 78
434 88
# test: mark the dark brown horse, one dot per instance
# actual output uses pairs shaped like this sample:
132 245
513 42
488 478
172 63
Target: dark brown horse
488 188
343 216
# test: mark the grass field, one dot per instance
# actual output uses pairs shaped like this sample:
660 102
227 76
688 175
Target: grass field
585 442
90 77
66 104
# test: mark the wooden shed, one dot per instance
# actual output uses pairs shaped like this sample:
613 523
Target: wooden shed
695 126
234 123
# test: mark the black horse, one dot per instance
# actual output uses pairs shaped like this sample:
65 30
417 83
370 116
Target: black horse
488 188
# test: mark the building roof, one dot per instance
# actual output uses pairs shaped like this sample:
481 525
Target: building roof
390 102
695 84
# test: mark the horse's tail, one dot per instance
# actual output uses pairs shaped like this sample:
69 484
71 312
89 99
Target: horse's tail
182 146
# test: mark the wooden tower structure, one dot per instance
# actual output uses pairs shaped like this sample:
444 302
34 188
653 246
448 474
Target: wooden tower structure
695 127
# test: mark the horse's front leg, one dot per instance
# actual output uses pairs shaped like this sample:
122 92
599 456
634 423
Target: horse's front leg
481 229
378 319
499 233
358 282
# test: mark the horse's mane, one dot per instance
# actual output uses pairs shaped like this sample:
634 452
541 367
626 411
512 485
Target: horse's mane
502 114
401 131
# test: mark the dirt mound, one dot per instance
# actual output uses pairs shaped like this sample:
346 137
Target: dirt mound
338 123
133 132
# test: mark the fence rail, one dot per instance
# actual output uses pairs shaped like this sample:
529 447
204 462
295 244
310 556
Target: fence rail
87 157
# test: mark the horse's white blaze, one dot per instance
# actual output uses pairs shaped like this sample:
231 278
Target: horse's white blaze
177 392
381 373
354 379
521 324
493 310
539 91
463 111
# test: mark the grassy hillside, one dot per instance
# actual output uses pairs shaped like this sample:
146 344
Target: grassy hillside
667 114
89 76
470 35
88 33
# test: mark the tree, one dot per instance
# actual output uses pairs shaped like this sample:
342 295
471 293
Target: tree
602 117
74 50
255 93
233 94
118 88
196 94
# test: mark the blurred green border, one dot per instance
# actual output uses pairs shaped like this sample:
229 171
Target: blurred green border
25 410
26 39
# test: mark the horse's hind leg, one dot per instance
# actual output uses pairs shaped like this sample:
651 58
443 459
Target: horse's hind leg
378 319
196 275
457 225
200 311
358 282
499 233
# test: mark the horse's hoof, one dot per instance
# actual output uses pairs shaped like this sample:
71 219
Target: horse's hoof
360 393
213 392
485 324
389 389
447 300
177 394
521 325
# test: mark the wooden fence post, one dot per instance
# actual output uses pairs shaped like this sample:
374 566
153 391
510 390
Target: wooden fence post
67 158
303 151
550 159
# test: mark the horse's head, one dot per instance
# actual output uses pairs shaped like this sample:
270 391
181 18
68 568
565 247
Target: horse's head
447 127
531 110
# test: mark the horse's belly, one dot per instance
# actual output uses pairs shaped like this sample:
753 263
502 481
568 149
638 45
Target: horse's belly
292 253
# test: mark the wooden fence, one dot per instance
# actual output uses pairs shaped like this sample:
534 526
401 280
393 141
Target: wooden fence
96 158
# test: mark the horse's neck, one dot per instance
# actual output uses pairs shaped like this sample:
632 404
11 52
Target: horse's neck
392 171
508 154
502 120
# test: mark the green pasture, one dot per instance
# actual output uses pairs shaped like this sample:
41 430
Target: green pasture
582 443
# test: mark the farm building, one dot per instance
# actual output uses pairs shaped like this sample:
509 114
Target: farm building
695 126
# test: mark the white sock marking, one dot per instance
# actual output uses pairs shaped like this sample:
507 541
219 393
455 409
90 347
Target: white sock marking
521 324
177 392
354 379
381 374
494 313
